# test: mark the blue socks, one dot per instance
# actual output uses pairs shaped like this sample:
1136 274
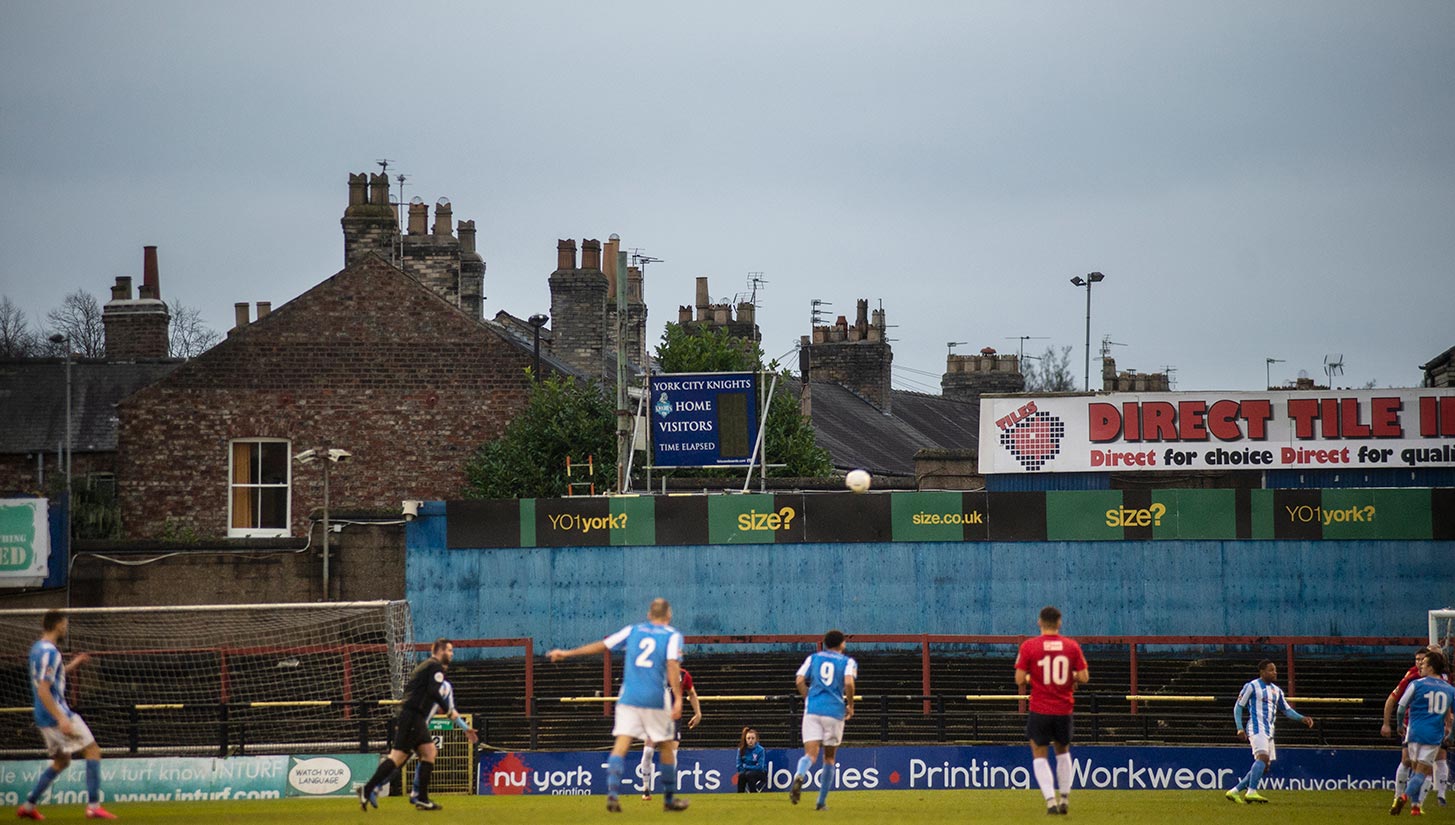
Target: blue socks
669 780
828 782
93 781
47 776
804 763
615 767
1255 775
1412 790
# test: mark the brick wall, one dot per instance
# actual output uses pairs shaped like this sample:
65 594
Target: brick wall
366 562
19 473
578 319
860 366
369 361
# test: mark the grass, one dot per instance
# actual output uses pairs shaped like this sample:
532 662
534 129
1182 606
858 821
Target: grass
858 807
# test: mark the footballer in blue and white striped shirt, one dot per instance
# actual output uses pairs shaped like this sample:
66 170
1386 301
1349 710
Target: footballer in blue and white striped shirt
1264 701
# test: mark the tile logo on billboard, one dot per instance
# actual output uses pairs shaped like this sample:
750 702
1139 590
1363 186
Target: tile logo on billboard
1033 436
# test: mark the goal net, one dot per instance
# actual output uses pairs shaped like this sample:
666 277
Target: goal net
1442 629
217 678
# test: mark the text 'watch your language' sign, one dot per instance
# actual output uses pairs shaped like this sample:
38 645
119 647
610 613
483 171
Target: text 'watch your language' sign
1317 430
703 419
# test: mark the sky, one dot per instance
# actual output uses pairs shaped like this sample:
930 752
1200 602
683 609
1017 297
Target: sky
1256 180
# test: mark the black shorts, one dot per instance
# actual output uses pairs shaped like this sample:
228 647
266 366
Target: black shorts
1043 729
410 731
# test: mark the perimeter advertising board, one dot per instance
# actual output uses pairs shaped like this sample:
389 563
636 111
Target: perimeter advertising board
1330 430
25 541
177 779
703 419
946 767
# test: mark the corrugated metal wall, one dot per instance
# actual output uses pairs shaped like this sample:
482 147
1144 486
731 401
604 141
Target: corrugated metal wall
568 596
1316 479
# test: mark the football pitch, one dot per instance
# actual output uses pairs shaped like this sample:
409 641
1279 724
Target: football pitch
861 808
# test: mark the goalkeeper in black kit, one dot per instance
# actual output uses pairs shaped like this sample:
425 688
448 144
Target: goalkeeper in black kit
426 694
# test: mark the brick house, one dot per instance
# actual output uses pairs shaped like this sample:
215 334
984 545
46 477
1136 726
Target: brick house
371 360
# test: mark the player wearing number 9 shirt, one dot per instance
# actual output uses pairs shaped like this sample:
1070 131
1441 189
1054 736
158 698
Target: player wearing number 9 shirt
1053 666
826 682
650 701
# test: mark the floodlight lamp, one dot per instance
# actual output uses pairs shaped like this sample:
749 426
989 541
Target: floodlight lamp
337 455
306 456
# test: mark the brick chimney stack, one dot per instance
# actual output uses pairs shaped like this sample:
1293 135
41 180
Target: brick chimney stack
856 357
137 329
579 309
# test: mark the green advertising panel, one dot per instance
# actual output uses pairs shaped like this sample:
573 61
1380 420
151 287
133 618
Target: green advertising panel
24 541
949 516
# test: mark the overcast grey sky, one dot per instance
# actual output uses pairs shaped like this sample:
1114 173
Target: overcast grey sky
1255 179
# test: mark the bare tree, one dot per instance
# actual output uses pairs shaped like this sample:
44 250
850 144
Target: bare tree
1051 372
79 318
17 340
187 335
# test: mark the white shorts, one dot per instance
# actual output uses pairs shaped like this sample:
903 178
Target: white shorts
651 724
1422 753
58 744
825 729
1262 742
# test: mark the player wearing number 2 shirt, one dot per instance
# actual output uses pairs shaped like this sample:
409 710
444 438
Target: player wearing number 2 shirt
1052 665
650 701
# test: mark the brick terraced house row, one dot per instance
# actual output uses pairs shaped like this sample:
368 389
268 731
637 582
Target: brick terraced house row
371 361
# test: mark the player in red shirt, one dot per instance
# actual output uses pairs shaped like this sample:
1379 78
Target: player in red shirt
1402 775
647 773
1053 666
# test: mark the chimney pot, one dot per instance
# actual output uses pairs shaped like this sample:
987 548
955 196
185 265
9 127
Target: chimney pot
418 218
151 286
379 189
443 217
702 299
684 315
591 254
467 236
566 254
122 290
264 309
240 314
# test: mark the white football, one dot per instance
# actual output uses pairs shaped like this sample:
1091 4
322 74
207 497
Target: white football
857 480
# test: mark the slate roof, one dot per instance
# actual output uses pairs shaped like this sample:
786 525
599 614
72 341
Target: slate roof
33 401
858 435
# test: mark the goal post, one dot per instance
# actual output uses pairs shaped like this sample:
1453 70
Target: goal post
218 678
1442 629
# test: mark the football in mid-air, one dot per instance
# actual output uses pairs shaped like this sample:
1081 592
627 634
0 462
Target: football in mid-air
857 480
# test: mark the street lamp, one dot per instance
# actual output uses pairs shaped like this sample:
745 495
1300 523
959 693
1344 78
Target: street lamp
536 322
65 338
330 456
1091 278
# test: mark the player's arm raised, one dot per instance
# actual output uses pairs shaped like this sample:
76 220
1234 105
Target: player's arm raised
584 650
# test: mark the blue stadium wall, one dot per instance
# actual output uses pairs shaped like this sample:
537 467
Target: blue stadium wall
565 596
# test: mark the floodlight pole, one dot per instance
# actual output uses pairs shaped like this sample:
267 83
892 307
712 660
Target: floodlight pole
1090 279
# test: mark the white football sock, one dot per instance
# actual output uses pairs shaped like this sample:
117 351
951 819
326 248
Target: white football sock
1442 777
1044 778
1063 774
647 779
